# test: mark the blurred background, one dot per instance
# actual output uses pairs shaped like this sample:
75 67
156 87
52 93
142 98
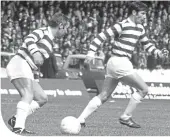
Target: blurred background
88 18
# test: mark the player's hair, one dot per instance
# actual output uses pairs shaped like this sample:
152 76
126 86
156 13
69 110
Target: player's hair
137 6
58 18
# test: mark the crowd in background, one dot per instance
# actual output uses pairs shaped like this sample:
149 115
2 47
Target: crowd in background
88 18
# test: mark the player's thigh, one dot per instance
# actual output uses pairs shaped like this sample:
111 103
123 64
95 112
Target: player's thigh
39 95
109 86
24 87
19 68
134 80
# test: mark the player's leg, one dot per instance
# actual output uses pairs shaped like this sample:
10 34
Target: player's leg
40 98
135 81
108 87
21 77
110 83
24 87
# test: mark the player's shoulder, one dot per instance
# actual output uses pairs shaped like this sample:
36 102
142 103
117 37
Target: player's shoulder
140 26
123 21
41 29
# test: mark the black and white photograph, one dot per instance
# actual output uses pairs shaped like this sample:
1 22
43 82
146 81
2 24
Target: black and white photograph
85 68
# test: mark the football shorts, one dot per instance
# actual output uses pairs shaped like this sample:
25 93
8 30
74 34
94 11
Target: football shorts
118 67
19 68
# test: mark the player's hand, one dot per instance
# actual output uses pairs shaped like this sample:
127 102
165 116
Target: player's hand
88 59
164 53
90 56
38 58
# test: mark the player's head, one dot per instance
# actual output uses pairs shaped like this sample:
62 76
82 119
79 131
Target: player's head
138 10
60 23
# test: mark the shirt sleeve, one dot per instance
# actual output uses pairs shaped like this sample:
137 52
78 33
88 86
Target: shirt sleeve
101 37
148 46
31 40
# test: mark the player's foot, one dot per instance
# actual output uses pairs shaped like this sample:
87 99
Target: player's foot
129 122
83 124
12 121
22 131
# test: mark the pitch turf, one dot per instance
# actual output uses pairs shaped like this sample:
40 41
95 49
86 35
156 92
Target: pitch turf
153 115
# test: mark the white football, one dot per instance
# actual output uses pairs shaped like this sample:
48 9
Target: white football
70 125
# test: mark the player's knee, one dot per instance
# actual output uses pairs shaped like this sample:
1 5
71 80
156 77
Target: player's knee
145 91
104 96
43 100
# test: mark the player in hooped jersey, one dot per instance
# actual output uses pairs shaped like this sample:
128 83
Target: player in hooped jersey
126 34
35 49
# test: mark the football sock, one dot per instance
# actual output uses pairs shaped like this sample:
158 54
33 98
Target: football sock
134 101
93 105
33 107
21 114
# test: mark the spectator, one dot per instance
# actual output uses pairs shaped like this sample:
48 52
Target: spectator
88 19
10 27
8 14
66 52
142 62
33 26
166 39
84 48
168 46
17 27
31 12
150 26
41 21
40 11
51 10
3 5
19 17
3 18
48 18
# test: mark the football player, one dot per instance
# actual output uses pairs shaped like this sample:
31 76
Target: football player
126 34
35 49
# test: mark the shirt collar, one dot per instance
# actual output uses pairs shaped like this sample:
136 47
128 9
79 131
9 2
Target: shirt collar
50 33
131 22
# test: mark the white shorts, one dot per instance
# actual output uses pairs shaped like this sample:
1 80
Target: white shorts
19 68
118 67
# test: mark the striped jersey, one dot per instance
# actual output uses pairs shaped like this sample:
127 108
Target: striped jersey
126 36
39 40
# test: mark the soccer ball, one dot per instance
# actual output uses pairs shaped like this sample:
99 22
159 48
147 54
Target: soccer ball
70 125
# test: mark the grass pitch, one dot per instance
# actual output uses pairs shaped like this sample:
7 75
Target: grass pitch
152 115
